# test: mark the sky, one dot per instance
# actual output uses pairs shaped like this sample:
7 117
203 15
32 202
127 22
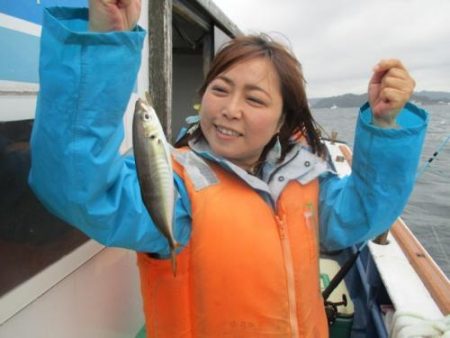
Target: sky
339 42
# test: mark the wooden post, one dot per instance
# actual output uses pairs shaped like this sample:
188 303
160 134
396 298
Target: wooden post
208 51
160 60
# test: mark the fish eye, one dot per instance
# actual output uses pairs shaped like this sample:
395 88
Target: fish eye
147 116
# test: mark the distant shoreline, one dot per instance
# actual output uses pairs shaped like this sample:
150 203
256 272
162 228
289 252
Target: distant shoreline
423 98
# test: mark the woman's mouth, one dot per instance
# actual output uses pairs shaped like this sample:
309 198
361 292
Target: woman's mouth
227 132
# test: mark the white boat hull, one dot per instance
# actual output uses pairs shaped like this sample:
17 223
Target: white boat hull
99 299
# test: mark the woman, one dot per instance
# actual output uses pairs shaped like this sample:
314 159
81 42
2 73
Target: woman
252 180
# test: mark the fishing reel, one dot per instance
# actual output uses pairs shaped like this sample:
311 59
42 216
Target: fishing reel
331 309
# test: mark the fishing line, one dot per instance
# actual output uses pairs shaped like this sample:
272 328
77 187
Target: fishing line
431 159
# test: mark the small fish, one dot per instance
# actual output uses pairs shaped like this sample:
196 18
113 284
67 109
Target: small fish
154 169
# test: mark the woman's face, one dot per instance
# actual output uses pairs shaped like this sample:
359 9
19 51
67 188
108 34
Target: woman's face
241 111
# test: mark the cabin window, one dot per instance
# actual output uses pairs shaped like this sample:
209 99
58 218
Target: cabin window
30 237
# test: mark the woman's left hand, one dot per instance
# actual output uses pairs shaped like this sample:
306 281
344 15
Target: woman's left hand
390 88
113 15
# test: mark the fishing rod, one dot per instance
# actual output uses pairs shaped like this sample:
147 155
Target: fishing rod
331 308
431 159
342 272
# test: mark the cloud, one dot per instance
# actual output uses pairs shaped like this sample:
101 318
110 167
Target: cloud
338 43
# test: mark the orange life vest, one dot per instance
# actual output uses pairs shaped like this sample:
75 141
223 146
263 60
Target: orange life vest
248 271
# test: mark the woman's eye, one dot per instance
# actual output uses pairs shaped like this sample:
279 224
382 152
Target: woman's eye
219 89
256 100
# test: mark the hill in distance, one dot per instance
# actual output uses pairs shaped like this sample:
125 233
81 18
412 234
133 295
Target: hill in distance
422 98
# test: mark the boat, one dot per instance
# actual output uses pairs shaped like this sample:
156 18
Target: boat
56 282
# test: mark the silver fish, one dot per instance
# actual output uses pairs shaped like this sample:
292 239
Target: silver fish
154 169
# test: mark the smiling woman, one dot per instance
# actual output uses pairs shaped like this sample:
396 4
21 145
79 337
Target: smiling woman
241 111
252 183
253 98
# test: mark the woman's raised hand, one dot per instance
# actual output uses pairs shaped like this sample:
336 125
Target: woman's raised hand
113 15
390 87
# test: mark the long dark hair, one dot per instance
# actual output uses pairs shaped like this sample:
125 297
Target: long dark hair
298 121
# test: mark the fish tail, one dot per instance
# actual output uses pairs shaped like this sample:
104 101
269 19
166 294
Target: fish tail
173 258
174 262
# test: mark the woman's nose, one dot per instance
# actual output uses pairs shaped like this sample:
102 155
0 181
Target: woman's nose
233 109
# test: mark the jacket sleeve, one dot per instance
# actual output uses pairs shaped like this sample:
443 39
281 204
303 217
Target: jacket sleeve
358 207
77 172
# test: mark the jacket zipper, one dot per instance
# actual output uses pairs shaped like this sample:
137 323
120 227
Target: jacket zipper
312 224
289 266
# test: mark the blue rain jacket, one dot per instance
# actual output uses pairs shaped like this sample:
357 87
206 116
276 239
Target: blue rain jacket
86 80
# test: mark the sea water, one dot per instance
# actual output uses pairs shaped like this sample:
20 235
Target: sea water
427 213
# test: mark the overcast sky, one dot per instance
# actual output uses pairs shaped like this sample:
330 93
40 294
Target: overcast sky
338 42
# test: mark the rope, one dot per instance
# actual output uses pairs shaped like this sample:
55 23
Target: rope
411 325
